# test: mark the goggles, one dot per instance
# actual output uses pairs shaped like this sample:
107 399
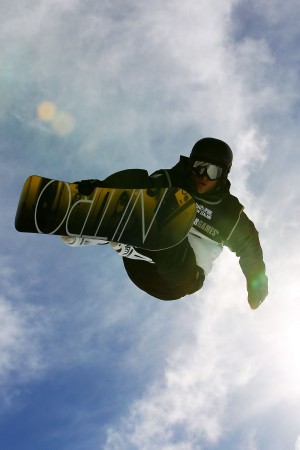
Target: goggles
206 169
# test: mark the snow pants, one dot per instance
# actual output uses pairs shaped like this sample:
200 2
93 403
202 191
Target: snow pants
174 273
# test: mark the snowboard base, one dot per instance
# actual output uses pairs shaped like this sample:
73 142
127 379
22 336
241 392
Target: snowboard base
152 219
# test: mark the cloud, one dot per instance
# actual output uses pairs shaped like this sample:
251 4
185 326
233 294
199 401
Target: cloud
232 358
143 85
145 77
229 375
185 408
21 356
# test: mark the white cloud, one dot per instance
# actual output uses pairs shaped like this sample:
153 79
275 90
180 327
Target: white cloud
148 75
142 87
235 368
21 358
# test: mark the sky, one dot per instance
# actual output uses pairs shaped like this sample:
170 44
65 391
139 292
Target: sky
87 361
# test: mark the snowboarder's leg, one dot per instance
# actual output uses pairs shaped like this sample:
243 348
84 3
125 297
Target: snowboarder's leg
174 274
76 241
130 178
146 277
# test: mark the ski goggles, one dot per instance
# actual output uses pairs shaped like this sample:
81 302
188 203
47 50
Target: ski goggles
206 169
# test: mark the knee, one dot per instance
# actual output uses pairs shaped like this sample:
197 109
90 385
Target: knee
198 280
166 298
129 179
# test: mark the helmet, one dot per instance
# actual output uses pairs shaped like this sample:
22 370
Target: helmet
214 151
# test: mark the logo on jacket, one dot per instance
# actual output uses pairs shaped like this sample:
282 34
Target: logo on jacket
203 211
206 228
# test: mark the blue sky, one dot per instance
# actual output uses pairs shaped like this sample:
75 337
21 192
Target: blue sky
87 361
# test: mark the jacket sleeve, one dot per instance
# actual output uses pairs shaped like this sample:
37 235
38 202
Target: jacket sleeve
244 242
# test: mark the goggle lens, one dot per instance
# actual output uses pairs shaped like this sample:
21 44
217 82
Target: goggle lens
211 171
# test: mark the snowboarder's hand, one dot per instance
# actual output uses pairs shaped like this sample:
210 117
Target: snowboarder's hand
86 187
257 290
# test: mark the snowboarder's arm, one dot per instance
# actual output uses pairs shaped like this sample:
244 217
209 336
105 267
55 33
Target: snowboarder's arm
244 241
129 178
86 187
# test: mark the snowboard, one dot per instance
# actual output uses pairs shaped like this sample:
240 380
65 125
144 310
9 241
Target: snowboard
152 219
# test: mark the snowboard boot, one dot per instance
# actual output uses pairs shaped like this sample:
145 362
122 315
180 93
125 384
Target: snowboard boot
124 250
127 251
74 241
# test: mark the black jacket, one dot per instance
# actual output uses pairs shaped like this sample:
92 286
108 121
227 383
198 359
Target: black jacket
220 217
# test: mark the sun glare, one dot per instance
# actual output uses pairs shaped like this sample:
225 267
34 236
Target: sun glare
46 111
61 122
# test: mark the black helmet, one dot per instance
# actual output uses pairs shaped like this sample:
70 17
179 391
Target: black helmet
214 151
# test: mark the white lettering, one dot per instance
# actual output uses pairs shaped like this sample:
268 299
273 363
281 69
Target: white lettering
37 207
77 205
139 197
79 217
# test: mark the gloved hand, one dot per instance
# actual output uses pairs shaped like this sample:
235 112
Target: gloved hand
86 187
257 290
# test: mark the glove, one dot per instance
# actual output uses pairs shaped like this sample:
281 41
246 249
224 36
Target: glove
86 187
257 290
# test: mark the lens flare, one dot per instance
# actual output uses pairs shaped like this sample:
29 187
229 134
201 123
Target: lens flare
63 123
46 111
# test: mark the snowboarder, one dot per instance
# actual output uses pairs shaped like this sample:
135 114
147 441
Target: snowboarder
181 270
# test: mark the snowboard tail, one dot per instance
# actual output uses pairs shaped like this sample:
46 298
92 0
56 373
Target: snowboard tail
148 218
